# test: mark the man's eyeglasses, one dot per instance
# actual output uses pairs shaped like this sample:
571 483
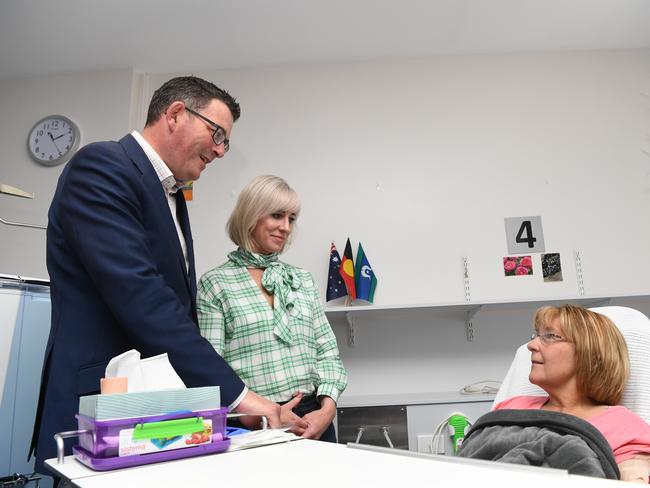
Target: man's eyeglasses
547 337
219 134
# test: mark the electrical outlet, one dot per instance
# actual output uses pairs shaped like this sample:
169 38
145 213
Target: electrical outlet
424 443
439 444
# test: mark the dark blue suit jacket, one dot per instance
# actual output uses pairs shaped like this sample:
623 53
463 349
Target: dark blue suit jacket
118 282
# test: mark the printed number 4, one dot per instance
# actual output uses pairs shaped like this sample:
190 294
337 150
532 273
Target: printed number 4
526 230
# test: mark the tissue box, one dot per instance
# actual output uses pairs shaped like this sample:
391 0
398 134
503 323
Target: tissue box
145 403
120 443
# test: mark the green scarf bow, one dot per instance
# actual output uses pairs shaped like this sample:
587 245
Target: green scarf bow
281 281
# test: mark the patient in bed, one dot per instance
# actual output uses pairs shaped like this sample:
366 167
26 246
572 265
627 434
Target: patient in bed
580 359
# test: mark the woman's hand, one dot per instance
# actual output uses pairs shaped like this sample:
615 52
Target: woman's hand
636 469
320 419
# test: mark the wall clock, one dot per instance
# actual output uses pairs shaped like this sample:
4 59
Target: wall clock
53 140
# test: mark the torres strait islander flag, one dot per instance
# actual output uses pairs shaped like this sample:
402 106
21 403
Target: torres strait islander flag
347 270
365 276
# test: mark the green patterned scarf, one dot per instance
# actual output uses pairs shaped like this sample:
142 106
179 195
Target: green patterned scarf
280 280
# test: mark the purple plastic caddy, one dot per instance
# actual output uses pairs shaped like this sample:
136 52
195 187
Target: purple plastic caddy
100 446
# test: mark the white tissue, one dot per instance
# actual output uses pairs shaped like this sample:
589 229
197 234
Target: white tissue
154 373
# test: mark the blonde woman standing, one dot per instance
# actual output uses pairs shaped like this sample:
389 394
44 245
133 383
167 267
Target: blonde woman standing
265 317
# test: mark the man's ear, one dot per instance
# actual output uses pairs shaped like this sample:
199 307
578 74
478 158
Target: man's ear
173 114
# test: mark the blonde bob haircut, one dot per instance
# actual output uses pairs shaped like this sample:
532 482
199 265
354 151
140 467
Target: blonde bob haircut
264 195
602 362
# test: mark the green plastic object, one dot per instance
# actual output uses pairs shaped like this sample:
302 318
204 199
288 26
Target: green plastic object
457 427
167 428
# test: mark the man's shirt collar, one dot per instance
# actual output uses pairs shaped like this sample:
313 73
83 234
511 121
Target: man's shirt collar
166 177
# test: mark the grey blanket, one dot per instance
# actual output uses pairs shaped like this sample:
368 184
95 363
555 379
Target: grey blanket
541 438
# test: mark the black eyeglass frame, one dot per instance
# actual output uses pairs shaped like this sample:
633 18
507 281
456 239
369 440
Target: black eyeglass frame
216 127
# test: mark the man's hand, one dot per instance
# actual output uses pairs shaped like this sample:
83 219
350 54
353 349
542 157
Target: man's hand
290 419
320 419
253 404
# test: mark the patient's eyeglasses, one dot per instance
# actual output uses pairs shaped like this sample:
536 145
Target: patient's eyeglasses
219 134
547 337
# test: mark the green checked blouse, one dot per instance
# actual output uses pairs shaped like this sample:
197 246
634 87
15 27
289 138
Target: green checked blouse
239 323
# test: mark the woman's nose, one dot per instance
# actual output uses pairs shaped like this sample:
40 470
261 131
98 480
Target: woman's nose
285 225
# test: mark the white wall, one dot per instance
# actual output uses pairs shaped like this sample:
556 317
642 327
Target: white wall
98 102
420 160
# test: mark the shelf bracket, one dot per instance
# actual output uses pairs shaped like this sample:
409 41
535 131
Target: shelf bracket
350 319
469 325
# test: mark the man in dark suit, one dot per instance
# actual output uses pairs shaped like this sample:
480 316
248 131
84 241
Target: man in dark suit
121 261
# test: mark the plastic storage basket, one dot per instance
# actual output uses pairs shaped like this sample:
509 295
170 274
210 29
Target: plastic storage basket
120 443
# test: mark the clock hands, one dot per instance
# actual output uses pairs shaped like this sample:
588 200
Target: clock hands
54 139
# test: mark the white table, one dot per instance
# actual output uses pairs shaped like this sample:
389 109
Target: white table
322 464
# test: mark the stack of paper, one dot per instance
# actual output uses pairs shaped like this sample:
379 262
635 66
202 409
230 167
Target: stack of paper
145 403
257 438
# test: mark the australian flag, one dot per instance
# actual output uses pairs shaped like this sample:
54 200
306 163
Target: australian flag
335 286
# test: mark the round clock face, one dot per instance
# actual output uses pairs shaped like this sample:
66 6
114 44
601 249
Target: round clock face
53 140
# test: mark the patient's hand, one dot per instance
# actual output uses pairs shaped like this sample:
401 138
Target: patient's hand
635 469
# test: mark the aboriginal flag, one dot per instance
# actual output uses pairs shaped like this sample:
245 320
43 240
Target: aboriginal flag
347 270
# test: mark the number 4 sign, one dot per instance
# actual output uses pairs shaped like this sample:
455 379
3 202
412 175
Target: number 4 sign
524 235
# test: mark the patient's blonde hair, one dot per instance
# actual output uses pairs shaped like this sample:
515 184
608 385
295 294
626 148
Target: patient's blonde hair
602 362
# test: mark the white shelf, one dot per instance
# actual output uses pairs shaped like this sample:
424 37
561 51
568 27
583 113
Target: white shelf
467 307
427 398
